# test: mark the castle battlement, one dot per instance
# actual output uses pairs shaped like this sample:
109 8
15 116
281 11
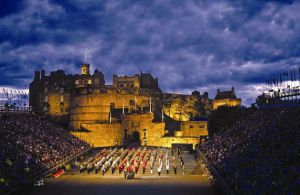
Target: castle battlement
133 107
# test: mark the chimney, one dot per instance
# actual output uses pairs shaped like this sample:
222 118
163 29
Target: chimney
36 75
42 74
232 89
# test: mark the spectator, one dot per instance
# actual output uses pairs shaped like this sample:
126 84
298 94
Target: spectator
260 154
31 144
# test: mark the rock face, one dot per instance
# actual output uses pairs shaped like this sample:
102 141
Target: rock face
186 107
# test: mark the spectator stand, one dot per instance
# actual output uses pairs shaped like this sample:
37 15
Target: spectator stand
219 180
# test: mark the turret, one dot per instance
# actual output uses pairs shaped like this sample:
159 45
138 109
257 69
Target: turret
85 69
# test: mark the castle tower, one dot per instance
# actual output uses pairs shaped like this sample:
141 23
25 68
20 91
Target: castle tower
85 69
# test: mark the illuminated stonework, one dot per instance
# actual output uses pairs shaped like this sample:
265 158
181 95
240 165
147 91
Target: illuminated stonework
132 109
226 98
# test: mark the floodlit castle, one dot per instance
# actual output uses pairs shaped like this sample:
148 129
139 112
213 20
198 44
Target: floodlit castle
132 109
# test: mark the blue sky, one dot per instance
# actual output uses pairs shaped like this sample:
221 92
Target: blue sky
188 45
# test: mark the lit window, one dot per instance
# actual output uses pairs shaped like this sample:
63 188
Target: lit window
61 98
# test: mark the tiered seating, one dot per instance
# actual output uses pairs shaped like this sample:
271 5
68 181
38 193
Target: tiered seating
259 155
32 144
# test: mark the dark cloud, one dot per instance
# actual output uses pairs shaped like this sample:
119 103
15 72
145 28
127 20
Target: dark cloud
188 45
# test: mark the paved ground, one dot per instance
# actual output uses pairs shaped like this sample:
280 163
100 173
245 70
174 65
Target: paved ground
96 184
193 181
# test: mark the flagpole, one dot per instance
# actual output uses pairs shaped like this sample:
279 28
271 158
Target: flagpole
135 102
123 105
110 115
150 105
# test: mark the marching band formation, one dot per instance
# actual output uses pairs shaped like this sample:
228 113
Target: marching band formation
134 160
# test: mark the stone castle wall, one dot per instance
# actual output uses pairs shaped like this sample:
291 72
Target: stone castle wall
59 103
95 107
227 102
150 133
168 141
101 135
194 128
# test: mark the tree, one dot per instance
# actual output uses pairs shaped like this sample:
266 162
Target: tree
225 117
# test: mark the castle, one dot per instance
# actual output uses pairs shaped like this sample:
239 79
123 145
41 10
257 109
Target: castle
132 109
226 98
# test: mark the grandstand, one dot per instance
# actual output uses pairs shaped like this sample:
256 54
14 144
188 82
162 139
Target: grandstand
259 155
31 146
282 90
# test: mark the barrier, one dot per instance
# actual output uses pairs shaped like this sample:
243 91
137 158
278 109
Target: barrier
219 179
59 173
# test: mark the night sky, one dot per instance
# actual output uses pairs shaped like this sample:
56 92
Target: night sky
188 45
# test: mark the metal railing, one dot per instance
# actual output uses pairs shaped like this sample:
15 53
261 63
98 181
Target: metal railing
220 181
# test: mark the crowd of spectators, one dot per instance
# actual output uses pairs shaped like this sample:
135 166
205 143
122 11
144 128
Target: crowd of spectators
30 145
260 154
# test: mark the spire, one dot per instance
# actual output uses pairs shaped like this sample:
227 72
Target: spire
123 110
150 105
110 115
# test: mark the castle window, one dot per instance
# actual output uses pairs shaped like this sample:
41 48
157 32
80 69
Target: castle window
103 90
112 105
46 98
144 130
135 124
130 84
89 81
125 134
77 82
61 90
131 102
61 98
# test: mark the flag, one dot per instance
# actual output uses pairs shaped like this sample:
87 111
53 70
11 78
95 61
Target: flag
274 80
280 79
268 82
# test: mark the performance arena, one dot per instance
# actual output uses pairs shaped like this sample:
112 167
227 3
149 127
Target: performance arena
39 157
86 137
258 154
